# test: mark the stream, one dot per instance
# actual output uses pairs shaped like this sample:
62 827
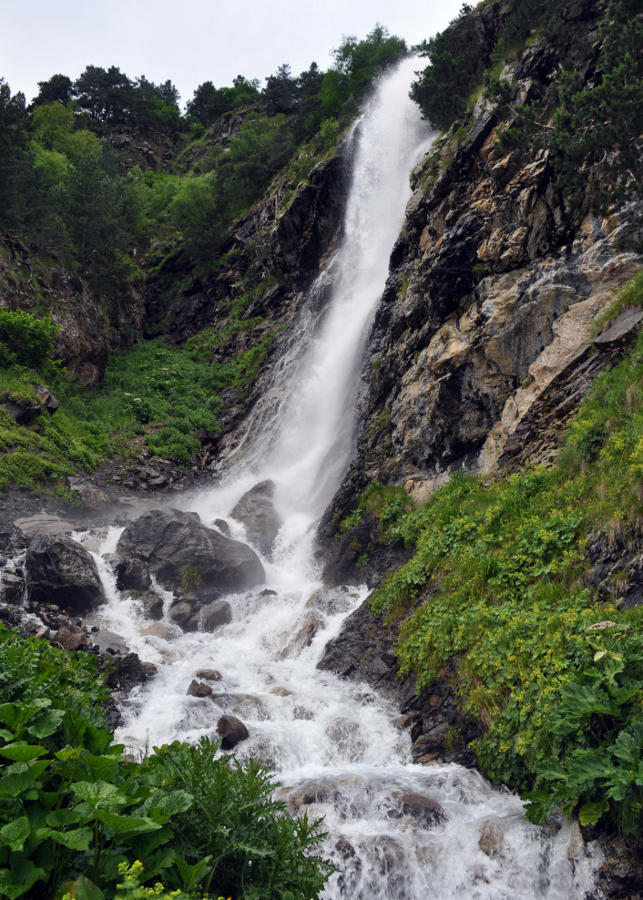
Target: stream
395 830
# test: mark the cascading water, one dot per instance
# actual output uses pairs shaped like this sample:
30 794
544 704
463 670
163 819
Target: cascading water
332 743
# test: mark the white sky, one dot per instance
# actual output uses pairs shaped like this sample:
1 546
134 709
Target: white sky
192 41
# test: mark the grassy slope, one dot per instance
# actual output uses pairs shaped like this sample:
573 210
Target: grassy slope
510 601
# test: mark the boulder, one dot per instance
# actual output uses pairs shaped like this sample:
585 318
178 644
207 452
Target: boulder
256 511
152 604
46 398
71 638
132 575
190 616
422 808
167 542
199 689
59 570
208 675
12 587
232 731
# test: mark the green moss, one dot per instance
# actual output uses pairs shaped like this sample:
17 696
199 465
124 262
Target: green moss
629 297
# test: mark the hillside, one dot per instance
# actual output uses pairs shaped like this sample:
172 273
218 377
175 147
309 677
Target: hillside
154 271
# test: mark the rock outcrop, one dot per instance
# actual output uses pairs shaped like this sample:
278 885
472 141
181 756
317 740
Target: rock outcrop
495 283
175 546
257 512
59 570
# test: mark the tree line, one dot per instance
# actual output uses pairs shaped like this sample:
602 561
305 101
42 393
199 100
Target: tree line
67 194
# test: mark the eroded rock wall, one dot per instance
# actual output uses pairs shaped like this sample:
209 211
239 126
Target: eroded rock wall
495 282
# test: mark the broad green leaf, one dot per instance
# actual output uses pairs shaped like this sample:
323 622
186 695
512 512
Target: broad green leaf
16 714
590 813
61 818
74 839
20 751
192 875
14 784
126 824
6 735
99 793
20 878
161 806
15 833
68 753
83 889
47 723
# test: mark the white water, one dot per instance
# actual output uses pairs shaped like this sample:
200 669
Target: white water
333 743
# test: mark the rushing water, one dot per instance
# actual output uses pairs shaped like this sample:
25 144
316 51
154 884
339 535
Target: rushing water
332 743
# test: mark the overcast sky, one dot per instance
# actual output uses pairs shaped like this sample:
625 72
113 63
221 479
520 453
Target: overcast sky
192 41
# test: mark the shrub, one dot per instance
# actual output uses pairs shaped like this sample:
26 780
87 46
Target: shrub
24 339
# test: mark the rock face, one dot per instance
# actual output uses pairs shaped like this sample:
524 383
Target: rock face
494 285
169 543
61 571
257 512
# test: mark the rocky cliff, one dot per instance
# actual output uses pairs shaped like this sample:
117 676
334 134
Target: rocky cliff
495 281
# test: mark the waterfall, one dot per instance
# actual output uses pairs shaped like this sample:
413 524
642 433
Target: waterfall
333 744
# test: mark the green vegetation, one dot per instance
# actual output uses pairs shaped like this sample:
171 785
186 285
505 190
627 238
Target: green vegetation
553 675
159 393
75 811
66 193
589 120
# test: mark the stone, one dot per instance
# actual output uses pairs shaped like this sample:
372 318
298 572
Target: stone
208 675
124 672
132 574
167 542
47 399
491 840
214 615
256 511
152 604
422 808
12 588
59 570
199 689
90 495
190 616
232 731
21 410
43 523
71 638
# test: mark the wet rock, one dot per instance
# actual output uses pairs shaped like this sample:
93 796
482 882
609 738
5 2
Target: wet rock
363 650
199 689
71 638
223 527
421 808
132 574
169 542
12 588
256 511
208 675
60 570
232 732
12 539
330 600
190 616
124 672
152 604
304 635
491 840
214 615
161 630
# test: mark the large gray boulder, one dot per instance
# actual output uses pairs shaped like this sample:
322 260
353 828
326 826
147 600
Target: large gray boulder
175 546
257 512
59 570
